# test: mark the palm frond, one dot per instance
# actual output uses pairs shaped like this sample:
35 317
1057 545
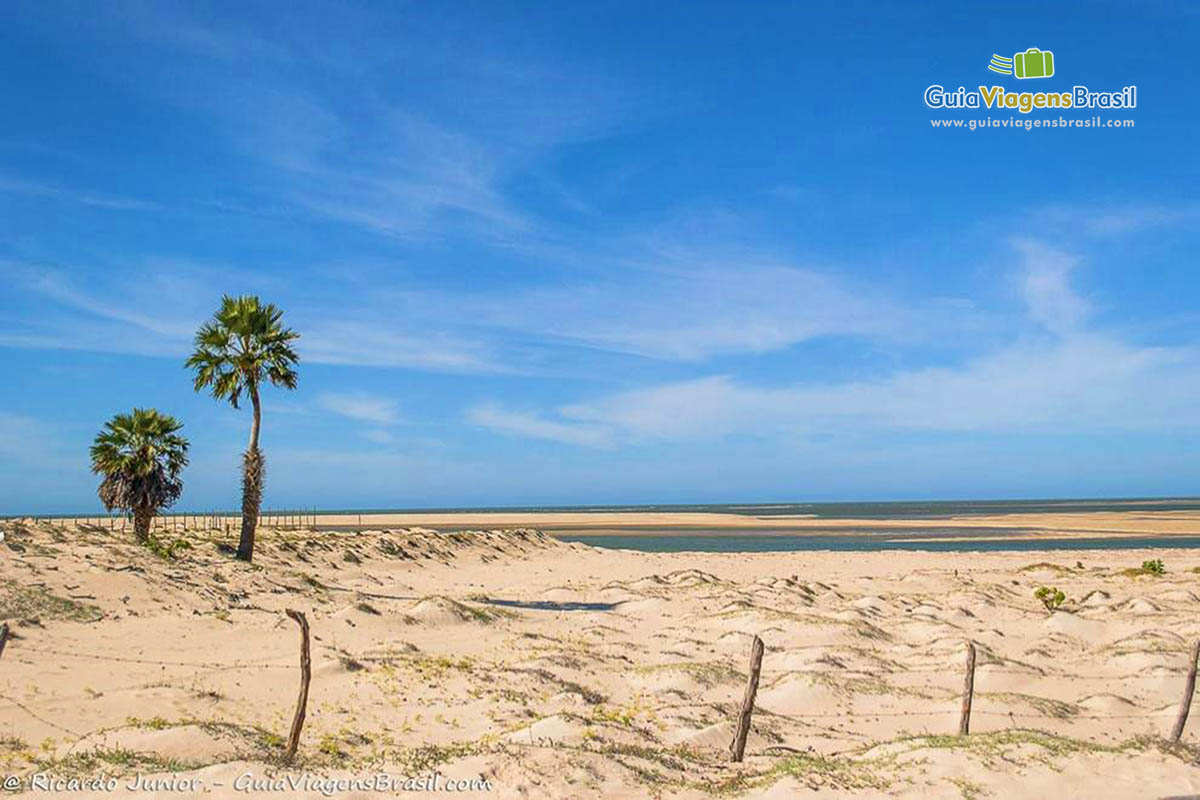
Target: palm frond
244 343
140 455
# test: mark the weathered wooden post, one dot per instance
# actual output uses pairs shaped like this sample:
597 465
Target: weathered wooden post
964 721
737 748
305 677
3 637
1189 688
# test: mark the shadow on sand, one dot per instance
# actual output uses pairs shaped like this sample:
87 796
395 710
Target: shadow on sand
547 605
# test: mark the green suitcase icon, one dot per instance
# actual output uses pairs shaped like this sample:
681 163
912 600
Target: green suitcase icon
1033 63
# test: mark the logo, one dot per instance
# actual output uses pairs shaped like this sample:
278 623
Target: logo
1049 98
1033 63
1001 64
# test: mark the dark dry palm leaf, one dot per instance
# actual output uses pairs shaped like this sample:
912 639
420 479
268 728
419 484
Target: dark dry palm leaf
243 345
141 456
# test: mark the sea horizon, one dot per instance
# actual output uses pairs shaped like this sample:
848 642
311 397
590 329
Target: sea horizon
832 509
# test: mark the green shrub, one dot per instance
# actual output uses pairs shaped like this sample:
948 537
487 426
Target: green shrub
165 549
1051 597
1154 567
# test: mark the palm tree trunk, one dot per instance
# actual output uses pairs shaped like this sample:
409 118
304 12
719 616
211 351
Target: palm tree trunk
141 524
252 482
257 420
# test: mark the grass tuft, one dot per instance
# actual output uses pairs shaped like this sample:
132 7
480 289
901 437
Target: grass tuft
35 602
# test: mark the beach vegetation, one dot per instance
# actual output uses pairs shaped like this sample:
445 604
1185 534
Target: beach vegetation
168 550
425 757
244 345
1056 709
1005 747
141 455
707 674
1153 567
1051 597
970 790
1046 566
22 602
111 761
153 724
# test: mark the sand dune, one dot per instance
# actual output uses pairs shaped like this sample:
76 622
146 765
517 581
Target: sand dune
561 671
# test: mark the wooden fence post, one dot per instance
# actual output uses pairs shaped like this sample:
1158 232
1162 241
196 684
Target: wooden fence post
964 721
1188 689
737 747
3 637
305 677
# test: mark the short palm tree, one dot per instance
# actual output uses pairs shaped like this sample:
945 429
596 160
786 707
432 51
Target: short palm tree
140 455
243 345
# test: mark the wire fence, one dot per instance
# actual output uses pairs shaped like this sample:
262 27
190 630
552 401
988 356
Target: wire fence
1060 713
179 522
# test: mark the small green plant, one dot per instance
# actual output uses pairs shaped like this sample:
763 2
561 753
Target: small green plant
270 740
1155 568
330 746
1051 597
34 602
165 549
154 723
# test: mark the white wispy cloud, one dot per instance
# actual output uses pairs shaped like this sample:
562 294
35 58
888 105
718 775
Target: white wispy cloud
1085 382
390 343
1065 379
360 406
372 157
1045 280
687 306
379 436
46 189
154 309
1111 220
520 423
357 147
691 315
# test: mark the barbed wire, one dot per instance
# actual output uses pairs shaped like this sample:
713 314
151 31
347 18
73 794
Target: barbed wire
974 712
1033 673
1066 717
37 716
207 665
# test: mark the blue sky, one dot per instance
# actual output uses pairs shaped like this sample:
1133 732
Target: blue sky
567 253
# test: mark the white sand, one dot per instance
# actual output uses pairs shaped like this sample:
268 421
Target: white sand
617 674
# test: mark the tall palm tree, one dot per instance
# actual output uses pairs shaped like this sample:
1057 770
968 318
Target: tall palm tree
244 344
140 455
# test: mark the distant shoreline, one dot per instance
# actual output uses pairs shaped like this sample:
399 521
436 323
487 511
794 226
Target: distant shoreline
826 510
1057 525
1019 523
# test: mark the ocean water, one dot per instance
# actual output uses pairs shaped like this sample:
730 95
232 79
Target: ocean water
726 542
669 539
904 509
941 539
